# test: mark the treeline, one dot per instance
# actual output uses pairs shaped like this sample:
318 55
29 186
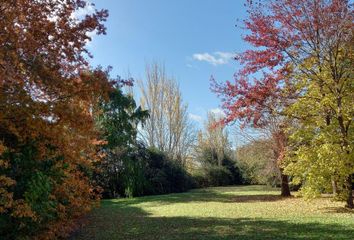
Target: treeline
155 149
128 167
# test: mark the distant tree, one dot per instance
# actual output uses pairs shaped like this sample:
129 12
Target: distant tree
215 139
257 162
214 156
258 106
168 128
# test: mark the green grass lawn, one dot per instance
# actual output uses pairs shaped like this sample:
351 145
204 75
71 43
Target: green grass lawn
240 212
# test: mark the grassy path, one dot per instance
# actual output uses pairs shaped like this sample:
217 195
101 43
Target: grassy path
243 212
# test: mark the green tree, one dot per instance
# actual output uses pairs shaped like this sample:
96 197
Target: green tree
118 118
213 156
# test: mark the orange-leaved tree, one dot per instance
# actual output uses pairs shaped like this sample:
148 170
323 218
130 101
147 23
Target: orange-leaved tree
47 133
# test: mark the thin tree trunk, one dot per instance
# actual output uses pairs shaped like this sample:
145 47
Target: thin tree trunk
349 186
334 188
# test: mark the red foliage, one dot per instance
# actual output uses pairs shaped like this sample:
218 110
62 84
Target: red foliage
282 33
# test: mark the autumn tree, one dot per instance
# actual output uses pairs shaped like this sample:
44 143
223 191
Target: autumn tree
286 34
168 128
320 155
258 156
257 163
47 134
258 105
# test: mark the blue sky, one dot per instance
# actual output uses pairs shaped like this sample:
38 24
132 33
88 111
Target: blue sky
194 38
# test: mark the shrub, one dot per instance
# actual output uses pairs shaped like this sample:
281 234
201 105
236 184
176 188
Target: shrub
142 171
213 176
211 173
46 192
165 175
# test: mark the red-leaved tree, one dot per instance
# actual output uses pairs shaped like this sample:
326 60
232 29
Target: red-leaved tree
284 34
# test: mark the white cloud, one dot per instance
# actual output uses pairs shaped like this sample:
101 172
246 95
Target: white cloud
226 55
196 118
218 112
216 58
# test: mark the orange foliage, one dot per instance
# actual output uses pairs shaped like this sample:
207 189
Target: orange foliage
47 93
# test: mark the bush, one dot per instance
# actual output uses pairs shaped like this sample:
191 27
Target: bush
46 193
213 176
218 176
142 171
165 175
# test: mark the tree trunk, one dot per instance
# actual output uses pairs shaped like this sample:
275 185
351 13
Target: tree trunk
349 186
334 188
285 190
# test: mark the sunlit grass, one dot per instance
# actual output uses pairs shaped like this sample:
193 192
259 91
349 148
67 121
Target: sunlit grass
244 212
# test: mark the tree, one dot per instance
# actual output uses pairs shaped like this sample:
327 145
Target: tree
319 148
259 105
286 34
47 133
215 139
168 128
257 162
118 118
214 156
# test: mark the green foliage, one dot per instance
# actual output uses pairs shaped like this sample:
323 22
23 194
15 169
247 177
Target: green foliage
215 161
165 175
128 168
133 173
150 172
38 193
34 178
117 118
211 174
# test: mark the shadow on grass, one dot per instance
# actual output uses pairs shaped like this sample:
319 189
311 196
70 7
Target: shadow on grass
202 195
337 210
114 223
257 198
244 188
